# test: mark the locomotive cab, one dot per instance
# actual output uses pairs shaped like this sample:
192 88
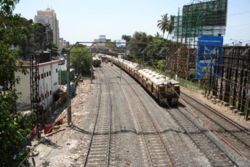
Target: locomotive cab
168 94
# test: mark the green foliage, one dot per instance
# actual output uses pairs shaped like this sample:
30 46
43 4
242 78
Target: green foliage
7 64
192 74
14 29
148 49
54 49
81 59
126 37
13 130
138 44
7 6
160 64
14 127
189 84
166 24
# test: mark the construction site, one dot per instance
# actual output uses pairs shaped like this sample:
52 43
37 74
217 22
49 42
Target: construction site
225 69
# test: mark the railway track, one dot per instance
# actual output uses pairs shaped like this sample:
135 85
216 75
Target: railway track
234 135
156 150
214 154
99 149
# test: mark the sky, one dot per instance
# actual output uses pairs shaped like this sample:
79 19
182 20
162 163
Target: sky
85 20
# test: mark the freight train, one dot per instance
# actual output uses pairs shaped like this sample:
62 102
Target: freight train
165 90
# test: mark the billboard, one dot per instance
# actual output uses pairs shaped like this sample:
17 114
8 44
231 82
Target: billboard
204 18
210 13
209 56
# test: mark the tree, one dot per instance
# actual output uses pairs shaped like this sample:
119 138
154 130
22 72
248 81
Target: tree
138 46
126 38
171 25
166 24
152 51
81 59
7 7
54 50
13 131
13 126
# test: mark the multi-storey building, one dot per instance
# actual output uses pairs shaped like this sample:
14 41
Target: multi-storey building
48 16
41 38
62 44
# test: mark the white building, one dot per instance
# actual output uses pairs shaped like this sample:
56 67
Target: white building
48 83
48 16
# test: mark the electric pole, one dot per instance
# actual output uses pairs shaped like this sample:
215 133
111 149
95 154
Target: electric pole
68 91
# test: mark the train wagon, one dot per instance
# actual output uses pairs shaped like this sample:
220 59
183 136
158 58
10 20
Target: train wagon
96 62
164 89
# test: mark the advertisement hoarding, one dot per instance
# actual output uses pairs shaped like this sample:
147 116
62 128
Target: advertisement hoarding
209 56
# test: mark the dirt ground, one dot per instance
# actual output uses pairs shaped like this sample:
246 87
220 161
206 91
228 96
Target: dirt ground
225 110
64 146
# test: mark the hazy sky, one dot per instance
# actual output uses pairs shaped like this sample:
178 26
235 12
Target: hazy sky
85 20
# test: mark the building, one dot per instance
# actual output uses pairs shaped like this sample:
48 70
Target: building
48 16
41 36
101 41
99 45
48 84
201 18
62 44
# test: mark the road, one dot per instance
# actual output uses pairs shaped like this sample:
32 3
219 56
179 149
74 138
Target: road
128 128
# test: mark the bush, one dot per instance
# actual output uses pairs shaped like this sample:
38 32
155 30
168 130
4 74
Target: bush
14 129
160 64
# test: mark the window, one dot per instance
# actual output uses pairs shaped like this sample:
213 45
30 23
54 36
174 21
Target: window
50 73
47 73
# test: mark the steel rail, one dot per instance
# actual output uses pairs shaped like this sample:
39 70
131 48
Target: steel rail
219 114
170 161
195 139
95 126
93 132
110 119
227 120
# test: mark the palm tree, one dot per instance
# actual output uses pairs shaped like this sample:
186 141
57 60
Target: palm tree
164 24
171 25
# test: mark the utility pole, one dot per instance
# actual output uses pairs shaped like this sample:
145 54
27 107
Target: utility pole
68 91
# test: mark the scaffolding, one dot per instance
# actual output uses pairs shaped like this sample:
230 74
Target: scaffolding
233 86
201 18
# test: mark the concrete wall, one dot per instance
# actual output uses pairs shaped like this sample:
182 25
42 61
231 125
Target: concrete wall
48 84
23 88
